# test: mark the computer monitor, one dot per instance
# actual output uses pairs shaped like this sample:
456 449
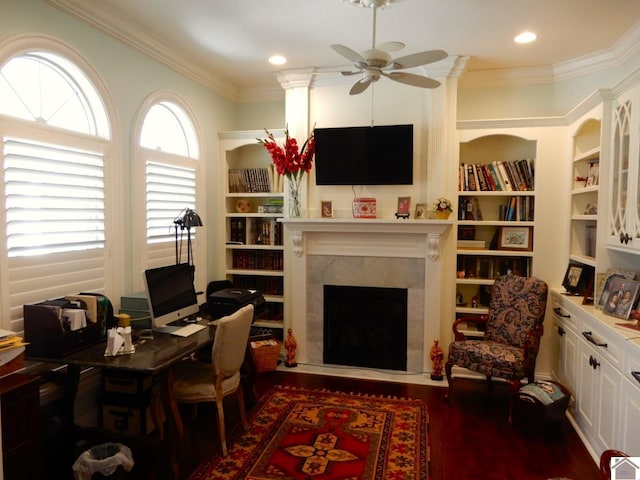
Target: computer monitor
171 294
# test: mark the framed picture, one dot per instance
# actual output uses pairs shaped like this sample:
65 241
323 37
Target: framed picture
604 281
403 205
421 211
619 295
515 238
578 278
326 207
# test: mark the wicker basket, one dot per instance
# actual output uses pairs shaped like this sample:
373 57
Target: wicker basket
265 357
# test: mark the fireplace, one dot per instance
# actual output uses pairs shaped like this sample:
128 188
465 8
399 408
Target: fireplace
365 326
365 253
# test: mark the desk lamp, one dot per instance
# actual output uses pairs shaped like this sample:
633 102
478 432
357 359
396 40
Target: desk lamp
186 219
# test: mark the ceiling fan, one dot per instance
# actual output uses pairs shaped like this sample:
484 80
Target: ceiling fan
377 61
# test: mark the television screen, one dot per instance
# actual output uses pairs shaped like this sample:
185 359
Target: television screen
378 155
171 294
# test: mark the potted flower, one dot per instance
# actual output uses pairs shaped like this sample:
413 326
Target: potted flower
292 162
442 208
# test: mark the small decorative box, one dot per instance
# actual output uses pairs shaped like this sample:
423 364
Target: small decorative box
364 208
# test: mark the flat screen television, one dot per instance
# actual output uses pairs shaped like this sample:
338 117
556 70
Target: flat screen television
171 294
378 155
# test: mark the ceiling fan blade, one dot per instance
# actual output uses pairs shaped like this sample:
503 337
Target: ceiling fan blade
390 46
347 53
412 79
417 59
352 73
360 86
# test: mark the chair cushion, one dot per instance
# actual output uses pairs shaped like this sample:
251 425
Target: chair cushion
488 358
195 382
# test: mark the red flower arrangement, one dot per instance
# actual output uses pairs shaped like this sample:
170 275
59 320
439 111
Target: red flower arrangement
291 162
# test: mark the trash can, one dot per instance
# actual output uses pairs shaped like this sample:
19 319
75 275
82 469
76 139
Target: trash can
104 459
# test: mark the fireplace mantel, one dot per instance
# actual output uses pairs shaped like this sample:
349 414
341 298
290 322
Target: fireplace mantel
375 252
433 229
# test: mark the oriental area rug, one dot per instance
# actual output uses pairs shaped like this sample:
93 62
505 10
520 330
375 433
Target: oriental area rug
297 434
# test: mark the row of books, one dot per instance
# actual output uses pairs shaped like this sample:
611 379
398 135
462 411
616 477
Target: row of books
507 176
265 285
255 231
257 260
255 180
516 209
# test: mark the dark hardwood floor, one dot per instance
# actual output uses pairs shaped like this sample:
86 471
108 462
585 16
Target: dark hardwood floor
471 437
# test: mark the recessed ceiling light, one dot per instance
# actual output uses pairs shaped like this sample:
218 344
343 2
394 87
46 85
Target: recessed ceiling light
525 37
277 60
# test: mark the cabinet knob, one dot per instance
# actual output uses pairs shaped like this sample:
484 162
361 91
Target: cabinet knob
561 331
625 238
593 362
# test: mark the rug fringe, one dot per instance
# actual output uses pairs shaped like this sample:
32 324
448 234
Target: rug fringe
340 392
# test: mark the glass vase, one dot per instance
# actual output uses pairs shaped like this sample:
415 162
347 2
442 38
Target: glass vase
294 198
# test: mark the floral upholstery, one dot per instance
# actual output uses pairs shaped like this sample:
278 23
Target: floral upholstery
512 334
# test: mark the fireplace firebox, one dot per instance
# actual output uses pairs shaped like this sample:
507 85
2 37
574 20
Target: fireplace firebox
365 327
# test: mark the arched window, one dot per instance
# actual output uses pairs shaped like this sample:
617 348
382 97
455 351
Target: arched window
55 134
170 152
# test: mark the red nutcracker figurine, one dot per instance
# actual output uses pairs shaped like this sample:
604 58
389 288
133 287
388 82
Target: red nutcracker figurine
436 361
290 345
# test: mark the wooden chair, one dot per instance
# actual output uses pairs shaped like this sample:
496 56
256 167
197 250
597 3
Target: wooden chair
513 327
198 381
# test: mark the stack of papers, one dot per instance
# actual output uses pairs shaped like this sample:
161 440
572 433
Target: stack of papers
11 346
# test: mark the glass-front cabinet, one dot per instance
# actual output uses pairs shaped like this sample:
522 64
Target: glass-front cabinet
624 213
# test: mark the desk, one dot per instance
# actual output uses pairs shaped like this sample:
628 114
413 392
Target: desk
156 357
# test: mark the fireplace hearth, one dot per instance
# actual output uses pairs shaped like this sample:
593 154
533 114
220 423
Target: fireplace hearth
365 326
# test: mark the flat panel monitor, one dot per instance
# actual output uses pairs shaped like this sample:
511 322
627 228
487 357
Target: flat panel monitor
171 294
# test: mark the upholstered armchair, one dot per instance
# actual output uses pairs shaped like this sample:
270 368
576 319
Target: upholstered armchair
512 331
198 381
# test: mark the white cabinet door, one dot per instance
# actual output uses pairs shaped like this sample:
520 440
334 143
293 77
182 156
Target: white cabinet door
624 204
565 348
629 438
599 390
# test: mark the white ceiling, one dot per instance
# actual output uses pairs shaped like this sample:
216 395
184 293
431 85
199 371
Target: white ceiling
226 43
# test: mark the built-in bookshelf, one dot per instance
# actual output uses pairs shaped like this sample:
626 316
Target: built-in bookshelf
495 217
585 188
253 237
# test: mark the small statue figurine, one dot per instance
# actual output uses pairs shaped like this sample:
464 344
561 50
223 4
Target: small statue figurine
290 345
436 361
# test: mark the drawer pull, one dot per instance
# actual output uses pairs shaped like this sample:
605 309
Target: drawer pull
589 336
558 312
593 362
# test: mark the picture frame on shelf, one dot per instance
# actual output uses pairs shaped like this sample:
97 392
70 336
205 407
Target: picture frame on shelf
593 176
578 279
421 211
326 209
516 238
403 207
620 295
605 280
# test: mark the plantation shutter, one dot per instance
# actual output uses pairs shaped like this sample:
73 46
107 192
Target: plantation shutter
170 190
54 198
55 220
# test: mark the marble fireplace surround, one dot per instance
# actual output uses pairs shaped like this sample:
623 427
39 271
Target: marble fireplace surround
373 252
